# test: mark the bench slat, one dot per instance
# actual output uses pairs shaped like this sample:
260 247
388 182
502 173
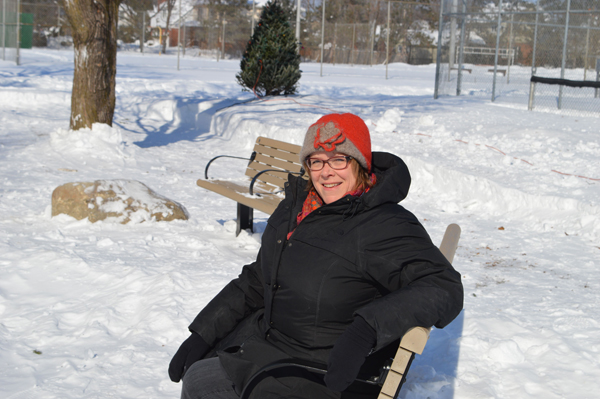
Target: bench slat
275 163
277 179
265 203
287 156
293 148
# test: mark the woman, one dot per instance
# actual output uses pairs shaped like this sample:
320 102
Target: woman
343 270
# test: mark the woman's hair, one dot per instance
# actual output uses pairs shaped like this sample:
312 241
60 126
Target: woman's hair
363 179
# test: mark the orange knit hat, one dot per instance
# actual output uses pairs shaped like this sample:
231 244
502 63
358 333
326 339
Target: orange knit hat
344 133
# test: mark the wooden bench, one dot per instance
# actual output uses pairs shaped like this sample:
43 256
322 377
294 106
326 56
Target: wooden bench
464 69
393 372
266 175
502 71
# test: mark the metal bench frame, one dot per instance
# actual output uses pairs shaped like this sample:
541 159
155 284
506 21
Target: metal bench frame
269 165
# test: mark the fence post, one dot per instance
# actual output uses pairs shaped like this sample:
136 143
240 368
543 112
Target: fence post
452 54
497 50
322 36
297 22
18 30
179 36
535 32
143 31
3 30
587 48
387 44
334 42
372 43
461 49
564 54
531 96
438 56
223 42
510 44
597 94
353 44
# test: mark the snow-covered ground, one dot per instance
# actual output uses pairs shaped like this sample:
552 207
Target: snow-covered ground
98 310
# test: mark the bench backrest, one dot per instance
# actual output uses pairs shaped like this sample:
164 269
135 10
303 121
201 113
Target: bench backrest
278 157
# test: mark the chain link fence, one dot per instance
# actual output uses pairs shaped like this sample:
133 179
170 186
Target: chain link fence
494 51
50 28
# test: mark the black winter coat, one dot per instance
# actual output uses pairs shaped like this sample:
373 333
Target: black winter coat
365 256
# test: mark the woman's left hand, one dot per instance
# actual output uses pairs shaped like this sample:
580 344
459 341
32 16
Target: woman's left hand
349 353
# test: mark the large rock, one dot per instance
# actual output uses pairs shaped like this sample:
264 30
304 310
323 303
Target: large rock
126 200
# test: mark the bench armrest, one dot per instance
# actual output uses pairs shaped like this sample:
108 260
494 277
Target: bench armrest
227 156
251 189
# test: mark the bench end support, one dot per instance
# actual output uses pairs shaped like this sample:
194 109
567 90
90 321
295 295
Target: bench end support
245 218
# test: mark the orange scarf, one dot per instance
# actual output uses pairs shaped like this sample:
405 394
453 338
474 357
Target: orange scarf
313 201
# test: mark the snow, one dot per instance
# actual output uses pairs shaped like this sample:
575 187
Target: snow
98 310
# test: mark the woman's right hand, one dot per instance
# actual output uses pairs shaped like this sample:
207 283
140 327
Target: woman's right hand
193 349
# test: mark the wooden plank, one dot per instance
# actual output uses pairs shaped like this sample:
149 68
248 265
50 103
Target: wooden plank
265 203
275 178
401 361
277 163
289 147
450 241
288 156
415 339
390 386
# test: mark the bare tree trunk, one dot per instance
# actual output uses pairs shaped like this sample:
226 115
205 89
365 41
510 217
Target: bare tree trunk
170 5
94 29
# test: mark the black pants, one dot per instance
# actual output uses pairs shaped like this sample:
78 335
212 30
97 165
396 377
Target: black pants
206 379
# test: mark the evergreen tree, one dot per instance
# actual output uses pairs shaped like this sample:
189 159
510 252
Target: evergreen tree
270 65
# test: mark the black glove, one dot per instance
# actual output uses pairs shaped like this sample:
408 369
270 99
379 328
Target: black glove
192 350
349 354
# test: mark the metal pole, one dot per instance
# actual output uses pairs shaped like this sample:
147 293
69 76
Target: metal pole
587 48
3 30
179 36
438 55
298 23
353 44
372 43
461 49
564 54
452 49
183 47
387 44
334 41
252 21
535 33
18 30
143 31
497 49
531 96
223 42
322 36
510 49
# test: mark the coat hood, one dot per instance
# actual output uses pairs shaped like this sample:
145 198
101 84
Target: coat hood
393 180
393 183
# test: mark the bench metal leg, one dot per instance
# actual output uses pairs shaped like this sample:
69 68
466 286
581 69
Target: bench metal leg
245 217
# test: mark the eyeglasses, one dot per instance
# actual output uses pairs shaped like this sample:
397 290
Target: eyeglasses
336 163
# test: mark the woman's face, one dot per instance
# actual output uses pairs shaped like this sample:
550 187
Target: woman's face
332 184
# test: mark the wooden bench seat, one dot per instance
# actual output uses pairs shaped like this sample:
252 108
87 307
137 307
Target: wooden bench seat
269 165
